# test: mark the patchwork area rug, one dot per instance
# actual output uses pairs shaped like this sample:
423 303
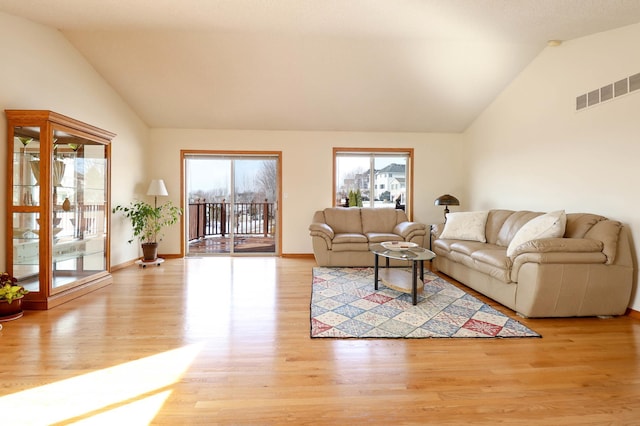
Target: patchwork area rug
344 304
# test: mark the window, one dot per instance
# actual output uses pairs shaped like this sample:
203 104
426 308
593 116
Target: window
387 171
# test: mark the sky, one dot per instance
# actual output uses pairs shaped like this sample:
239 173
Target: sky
208 173
205 174
360 163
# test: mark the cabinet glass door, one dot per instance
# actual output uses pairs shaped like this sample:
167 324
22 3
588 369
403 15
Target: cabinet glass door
79 198
25 234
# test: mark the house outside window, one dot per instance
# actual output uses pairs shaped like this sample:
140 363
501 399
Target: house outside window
381 177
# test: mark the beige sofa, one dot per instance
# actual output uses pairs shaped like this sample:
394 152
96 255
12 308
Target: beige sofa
586 269
342 236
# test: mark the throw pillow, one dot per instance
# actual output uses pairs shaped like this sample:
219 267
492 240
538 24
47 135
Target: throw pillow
549 225
465 226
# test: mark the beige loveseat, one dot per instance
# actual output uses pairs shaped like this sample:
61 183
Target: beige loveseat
341 236
582 266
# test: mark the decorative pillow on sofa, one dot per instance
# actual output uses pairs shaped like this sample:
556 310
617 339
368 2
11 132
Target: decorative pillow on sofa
465 226
549 225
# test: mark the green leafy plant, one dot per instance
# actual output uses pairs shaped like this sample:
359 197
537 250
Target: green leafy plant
9 290
149 221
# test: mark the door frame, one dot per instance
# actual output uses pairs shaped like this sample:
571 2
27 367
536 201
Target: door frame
240 153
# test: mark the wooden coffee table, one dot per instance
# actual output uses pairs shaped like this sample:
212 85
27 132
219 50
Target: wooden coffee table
399 279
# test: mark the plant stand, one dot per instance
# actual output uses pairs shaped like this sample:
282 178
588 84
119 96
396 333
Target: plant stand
144 263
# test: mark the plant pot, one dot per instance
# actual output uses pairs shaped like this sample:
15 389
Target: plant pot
149 252
10 311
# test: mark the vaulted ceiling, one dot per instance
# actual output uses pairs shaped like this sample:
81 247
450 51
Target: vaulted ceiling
351 65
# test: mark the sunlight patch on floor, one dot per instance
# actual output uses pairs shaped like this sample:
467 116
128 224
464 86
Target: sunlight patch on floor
137 385
140 412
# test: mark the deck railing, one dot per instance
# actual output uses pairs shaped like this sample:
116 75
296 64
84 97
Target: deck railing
209 219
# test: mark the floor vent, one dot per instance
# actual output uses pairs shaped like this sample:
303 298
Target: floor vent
608 92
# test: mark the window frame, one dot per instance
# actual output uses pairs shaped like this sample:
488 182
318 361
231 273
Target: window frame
372 153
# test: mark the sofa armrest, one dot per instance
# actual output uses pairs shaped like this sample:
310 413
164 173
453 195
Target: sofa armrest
321 232
554 245
557 251
557 258
321 229
408 230
436 230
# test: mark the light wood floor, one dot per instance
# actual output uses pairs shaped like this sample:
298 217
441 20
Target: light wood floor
226 341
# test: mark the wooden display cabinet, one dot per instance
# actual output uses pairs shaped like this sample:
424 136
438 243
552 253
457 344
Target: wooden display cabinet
58 205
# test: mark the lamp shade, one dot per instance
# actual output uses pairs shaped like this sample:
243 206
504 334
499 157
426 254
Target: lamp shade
157 187
447 200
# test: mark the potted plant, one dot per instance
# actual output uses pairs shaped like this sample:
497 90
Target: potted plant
148 223
11 296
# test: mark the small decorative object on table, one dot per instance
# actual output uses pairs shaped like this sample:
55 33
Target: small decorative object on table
11 296
398 245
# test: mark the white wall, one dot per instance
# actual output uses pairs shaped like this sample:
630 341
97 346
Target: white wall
41 70
531 150
307 170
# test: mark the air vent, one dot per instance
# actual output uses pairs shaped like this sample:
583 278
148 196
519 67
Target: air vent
608 92
593 97
581 102
634 82
621 87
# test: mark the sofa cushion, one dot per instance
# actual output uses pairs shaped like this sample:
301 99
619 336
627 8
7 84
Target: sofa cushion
350 247
512 225
495 221
380 219
457 257
381 237
494 262
465 226
347 237
494 256
444 245
467 247
488 258
343 220
579 223
549 225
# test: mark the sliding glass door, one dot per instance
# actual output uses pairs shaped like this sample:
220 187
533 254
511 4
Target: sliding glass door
232 203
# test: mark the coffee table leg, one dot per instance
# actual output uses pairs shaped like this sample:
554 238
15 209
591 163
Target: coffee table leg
375 272
414 282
